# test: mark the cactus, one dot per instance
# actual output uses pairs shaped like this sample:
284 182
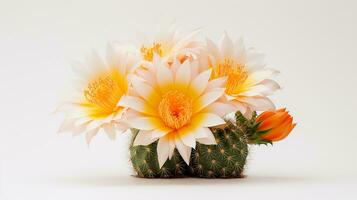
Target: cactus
146 165
224 160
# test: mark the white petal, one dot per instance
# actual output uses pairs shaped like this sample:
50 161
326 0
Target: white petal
202 132
114 59
171 148
212 47
188 138
199 84
242 107
145 123
109 129
273 85
67 125
227 47
163 151
185 151
82 120
184 41
207 99
221 109
258 76
79 129
96 62
208 140
164 78
90 134
207 120
144 138
216 83
264 88
137 104
146 92
160 132
259 103
183 75
240 51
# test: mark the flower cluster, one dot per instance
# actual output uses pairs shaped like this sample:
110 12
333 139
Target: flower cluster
173 89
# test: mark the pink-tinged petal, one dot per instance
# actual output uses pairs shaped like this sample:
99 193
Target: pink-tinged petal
67 125
207 120
145 123
82 120
212 47
242 107
79 129
110 131
199 84
94 124
183 75
273 85
147 77
185 151
144 138
121 126
220 108
227 47
259 103
163 151
90 134
208 140
164 78
182 43
216 83
207 99
137 104
248 113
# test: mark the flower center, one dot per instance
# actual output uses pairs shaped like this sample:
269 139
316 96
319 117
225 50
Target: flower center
103 93
235 72
175 109
148 52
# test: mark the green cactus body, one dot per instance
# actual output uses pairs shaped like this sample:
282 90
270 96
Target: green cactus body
224 160
146 165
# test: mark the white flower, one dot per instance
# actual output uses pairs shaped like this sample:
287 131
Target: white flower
100 86
248 81
175 106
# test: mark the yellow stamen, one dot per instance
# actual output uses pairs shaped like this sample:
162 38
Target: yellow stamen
236 73
175 109
148 52
103 94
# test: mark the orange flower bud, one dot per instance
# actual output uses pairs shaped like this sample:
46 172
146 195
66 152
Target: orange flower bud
278 124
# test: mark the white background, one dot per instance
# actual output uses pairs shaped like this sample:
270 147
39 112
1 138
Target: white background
313 44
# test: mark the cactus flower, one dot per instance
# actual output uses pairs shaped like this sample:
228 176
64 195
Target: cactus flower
277 124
